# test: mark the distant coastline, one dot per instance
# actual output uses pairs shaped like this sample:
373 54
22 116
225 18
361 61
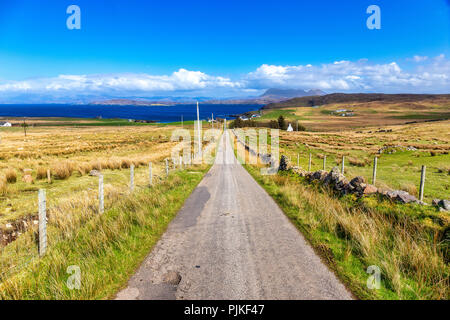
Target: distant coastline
157 113
129 102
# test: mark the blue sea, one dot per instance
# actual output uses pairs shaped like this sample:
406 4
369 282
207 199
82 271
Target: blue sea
156 113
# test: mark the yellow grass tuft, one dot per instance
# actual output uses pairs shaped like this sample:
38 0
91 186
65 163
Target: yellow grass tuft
3 186
444 169
126 163
62 170
356 162
410 188
41 173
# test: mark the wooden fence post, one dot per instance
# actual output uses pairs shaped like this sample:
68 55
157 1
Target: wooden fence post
324 162
181 163
298 160
49 176
150 173
42 222
343 165
101 198
167 167
422 183
309 164
374 175
132 178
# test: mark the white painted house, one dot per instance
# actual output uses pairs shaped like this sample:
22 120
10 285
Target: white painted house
5 124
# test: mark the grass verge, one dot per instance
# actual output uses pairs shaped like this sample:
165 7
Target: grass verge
409 245
107 248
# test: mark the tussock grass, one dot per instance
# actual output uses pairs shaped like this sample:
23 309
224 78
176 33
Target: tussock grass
444 169
62 170
11 176
125 163
3 186
356 162
409 187
41 173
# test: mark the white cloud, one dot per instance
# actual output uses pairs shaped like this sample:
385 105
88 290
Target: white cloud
419 58
430 75
359 76
180 80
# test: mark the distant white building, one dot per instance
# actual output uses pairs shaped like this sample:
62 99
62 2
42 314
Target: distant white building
5 124
289 129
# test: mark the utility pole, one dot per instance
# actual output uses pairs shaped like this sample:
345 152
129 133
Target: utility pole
199 133
24 125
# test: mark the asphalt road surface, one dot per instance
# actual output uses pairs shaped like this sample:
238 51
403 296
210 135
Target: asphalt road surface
231 241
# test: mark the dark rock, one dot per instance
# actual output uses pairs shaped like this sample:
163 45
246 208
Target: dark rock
284 163
370 189
300 171
320 175
357 181
443 204
94 173
402 196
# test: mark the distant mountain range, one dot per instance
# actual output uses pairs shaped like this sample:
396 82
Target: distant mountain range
291 93
353 98
269 96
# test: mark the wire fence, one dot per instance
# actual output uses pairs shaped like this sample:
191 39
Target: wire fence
68 213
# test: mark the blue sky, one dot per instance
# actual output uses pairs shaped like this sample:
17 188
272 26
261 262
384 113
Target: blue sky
221 48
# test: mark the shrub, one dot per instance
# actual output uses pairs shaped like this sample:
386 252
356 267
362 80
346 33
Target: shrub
282 123
274 124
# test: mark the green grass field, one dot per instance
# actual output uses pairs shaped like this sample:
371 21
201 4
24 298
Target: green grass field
399 170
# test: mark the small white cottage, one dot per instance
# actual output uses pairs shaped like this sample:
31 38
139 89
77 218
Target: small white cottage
289 129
